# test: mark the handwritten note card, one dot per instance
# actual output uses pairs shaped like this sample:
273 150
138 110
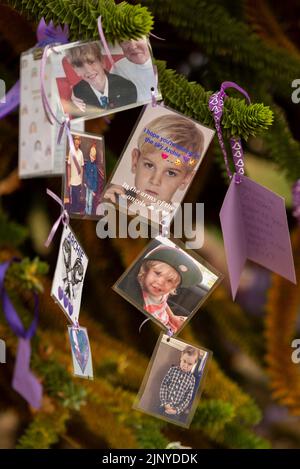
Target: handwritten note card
254 226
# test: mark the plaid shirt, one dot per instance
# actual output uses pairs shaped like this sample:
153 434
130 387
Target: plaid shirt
177 389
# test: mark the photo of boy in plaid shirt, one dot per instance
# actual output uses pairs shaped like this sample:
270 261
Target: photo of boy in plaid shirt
176 390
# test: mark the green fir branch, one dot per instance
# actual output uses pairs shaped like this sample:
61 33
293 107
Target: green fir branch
125 21
120 21
26 275
235 436
148 432
281 146
11 233
44 430
212 415
58 383
221 35
239 118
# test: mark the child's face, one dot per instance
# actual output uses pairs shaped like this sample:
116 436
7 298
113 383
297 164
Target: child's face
187 362
91 70
158 177
136 51
76 143
93 154
160 280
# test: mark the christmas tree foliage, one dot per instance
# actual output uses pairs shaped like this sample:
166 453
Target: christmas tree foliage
251 379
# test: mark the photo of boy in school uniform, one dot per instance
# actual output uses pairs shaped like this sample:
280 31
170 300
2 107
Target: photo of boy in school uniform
97 89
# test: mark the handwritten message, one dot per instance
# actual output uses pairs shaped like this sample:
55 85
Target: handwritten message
254 226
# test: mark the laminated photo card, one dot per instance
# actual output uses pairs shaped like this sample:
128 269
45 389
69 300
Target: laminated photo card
174 381
81 352
84 175
167 283
158 165
39 152
89 85
69 275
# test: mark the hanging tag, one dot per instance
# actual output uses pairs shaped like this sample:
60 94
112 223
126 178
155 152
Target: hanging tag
24 381
253 218
84 175
167 283
158 165
69 275
81 352
254 226
174 380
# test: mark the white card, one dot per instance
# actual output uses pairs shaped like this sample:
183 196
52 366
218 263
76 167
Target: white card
69 275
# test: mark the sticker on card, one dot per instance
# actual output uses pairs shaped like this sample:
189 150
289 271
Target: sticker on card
254 226
84 175
158 165
81 352
89 85
168 284
69 275
174 380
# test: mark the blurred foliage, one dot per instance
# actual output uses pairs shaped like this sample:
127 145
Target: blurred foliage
82 414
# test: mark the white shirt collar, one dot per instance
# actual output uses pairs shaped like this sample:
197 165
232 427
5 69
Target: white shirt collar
105 92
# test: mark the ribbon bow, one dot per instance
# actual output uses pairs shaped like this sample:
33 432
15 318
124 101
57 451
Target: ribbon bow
49 34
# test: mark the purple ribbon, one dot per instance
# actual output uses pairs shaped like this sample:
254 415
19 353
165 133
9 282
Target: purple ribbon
64 217
157 37
24 381
46 34
10 313
103 40
296 200
169 332
216 106
65 123
49 34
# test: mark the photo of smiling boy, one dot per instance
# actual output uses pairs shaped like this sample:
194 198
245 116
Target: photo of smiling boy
163 270
167 284
163 155
96 88
137 66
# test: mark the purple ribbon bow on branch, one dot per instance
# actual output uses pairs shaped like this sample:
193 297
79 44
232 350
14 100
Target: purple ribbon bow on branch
46 34
24 381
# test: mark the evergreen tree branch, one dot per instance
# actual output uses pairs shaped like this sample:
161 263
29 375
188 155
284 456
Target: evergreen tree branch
120 21
239 118
221 35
